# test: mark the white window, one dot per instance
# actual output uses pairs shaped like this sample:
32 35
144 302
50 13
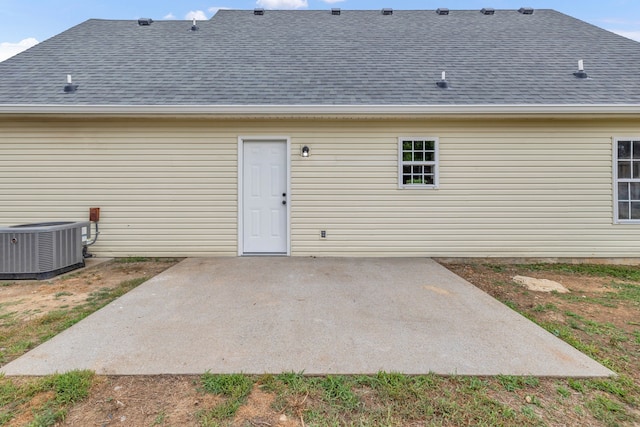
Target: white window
626 172
418 162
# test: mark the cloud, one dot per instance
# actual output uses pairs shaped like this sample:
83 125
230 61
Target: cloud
282 4
332 1
7 50
170 15
213 10
634 35
196 14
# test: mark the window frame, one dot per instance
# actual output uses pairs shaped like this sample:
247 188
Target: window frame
617 180
435 163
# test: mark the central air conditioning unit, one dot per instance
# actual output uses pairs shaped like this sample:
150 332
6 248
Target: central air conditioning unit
41 251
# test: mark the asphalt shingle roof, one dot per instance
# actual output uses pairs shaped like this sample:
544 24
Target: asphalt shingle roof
316 58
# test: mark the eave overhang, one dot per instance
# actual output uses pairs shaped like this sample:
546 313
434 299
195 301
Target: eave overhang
337 111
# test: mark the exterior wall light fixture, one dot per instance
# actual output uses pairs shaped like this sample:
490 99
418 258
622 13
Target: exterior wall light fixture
304 152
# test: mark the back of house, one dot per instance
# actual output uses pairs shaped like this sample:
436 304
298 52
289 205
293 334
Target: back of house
448 133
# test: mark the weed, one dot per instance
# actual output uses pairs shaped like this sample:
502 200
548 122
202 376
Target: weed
474 383
131 260
159 419
338 391
236 387
606 410
103 296
72 386
295 382
497 268
513 383
7 319
8 391
577 385
62 294
509 382
21 346
541 308
620 386
623 272
512 305
627 292
563 391
529 412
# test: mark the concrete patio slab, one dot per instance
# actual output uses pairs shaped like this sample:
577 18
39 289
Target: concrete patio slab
317 315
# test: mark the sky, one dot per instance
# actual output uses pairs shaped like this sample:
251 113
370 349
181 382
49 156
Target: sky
23 23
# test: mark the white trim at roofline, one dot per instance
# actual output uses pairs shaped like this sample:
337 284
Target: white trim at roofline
314 110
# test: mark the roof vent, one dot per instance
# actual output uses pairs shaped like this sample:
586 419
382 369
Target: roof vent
387 11
526 10
145 21
442 11
488 11
258 12
335 11
70 87
443 83
581 73
194 26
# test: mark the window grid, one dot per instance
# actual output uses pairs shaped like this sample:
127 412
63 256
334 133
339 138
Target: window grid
418 162
627 186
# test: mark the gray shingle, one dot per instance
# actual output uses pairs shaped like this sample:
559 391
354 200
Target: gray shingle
314 57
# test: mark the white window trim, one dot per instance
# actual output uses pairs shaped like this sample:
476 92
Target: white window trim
616 219
436 164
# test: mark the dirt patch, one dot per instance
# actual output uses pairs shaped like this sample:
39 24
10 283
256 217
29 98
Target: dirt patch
165 400
26 410
25 300
258 411
141 401
498 282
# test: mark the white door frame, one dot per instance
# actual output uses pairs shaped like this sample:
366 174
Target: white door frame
241 141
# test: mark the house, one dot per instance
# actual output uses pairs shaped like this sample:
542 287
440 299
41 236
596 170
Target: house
461 133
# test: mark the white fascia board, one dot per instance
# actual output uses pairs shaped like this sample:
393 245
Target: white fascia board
320 110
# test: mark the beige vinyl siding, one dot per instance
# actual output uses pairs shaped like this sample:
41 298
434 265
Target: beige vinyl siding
507 188
538 188
163 188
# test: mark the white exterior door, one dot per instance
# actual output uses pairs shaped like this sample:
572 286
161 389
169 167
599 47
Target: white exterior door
264 197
